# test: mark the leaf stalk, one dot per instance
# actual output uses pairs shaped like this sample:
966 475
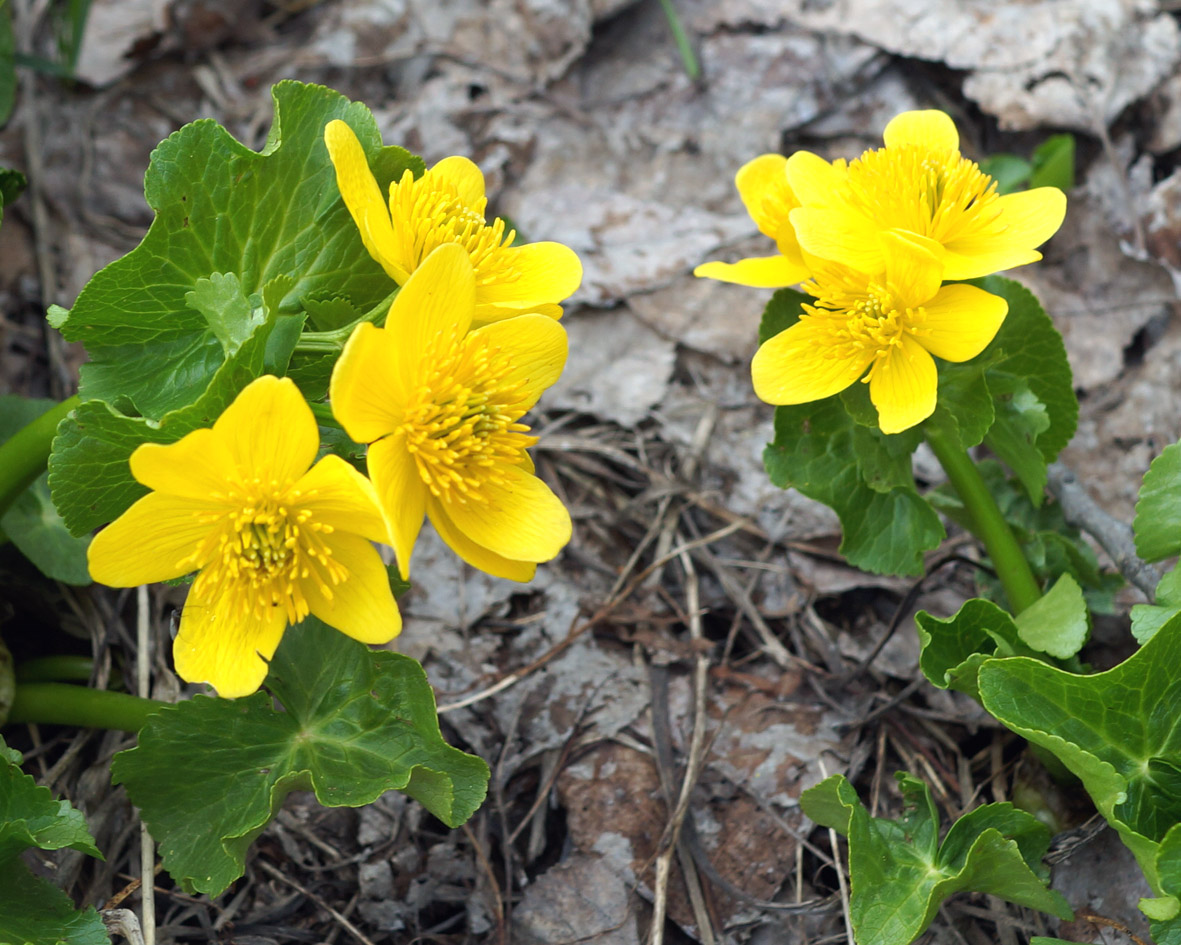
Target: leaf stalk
23 457
987 522
54 703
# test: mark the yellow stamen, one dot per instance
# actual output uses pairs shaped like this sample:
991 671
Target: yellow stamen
954 197
261 548
461 424
427 215
859 319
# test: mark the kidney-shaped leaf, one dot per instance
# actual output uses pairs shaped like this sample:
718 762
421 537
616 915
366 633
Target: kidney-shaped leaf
208 774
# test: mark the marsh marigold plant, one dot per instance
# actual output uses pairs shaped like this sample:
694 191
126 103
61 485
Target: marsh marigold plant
440 406
446 205
271 539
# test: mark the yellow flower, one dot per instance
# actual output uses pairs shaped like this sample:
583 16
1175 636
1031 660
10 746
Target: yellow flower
764 189
888 325
918 184
440 407
446 205
271 539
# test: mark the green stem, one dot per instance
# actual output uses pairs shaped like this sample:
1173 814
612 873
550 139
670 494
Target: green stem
331 342
54 703
24 455
55 669
324 415
987 523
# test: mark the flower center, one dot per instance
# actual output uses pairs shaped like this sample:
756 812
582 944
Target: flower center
262 549
429 216
954 197
860 320
461 425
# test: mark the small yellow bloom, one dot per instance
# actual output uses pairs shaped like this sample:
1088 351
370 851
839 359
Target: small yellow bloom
918 184
271 539
440 407
888 326
446 205
764 189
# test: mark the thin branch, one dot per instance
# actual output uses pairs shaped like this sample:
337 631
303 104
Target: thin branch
1114 536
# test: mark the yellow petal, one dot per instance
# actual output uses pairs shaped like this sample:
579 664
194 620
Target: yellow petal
766 194
914 266
520 519
401 494
437 300
841 236
362 196
534 348
961 321
216 646
198 465
460 175
973 258
903 386
930 129
370 383
269 431
339 496
542 274
154 540
792 367
477 556
1024 221
813 180
762 272
362 606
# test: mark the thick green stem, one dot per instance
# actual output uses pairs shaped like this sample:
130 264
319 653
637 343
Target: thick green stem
987 523
24 455
54 703
55 669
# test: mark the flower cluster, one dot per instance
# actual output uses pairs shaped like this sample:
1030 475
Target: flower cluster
469 344
882 242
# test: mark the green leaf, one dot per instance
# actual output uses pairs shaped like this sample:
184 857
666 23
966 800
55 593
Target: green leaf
814 451
1053 163
209 774
953 649
1148 618
1028 347
12 185
31 909
1157 525
782 311
32 522
330 314
1008 170
231 317
1116 731
964 406
89 475
30 817
899 874
35 912
1058 622
884 460
1020 419
224 209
